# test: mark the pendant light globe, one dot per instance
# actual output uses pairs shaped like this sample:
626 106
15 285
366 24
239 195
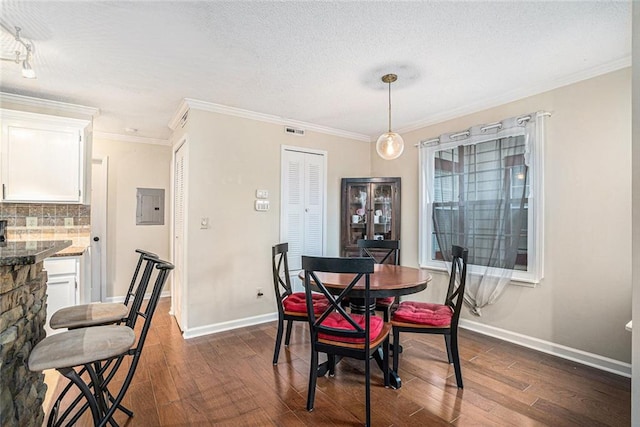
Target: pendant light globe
390 145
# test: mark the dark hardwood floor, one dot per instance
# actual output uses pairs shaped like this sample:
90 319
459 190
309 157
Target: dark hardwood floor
228 379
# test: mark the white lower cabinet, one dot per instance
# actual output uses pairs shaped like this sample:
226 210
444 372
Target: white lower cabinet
63 276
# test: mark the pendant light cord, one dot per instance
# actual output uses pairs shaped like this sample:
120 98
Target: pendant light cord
389 107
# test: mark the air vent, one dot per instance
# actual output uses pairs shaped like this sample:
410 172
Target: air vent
293 131
183 119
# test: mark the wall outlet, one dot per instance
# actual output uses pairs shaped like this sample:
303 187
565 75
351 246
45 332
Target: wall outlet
259 293
32 221
68 222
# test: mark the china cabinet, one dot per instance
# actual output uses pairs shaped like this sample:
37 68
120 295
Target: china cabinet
370 210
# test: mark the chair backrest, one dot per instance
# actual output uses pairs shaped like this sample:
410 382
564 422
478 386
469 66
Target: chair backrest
134 279
135 305
361 268
280 267
382 251
457 282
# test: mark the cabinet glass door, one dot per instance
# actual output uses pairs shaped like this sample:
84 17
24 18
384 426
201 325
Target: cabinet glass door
382 212
358 196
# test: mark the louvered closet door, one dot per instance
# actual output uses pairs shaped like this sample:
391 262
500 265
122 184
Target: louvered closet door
302 213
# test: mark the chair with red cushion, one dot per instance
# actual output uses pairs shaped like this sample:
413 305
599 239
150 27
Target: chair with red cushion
339 333
382 252
291 306
429 318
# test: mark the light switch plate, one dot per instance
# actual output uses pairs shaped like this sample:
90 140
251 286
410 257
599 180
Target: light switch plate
32 221
68 222
204 222
262 194
262 205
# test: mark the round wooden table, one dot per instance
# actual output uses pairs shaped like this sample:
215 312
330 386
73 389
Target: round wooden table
386 281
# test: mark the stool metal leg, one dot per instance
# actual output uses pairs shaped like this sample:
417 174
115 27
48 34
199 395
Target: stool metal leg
84 389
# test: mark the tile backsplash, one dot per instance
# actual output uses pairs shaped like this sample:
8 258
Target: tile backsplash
47 221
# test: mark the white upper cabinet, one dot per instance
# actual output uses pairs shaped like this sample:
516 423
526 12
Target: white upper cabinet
43 158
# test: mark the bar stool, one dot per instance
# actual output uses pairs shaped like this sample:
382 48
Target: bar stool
94 314
100 351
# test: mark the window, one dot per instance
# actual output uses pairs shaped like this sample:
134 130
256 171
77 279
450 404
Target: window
482 189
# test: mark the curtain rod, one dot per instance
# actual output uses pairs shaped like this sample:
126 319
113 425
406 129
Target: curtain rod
467 132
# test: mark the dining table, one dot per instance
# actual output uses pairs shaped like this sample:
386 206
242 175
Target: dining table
387 280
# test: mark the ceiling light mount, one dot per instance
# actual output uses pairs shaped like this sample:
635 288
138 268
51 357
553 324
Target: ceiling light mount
21 57
390 145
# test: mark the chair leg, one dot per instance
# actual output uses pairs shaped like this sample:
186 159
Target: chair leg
396 344
288 338
447 342
456 358
385 362
276 351
86 391
331 361
367 382
313 378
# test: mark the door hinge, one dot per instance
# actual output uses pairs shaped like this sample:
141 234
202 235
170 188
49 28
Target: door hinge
79 193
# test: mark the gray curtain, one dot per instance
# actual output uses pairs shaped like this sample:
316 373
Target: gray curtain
480 202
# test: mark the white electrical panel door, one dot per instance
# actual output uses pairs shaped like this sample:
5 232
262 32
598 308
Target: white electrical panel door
302 219
42 159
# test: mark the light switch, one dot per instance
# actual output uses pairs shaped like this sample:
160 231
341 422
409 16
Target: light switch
262 205
204 222
262 194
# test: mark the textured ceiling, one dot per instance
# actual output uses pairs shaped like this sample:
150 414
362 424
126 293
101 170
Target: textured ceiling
316 62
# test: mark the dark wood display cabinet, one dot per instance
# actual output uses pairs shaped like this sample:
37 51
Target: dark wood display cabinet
370 210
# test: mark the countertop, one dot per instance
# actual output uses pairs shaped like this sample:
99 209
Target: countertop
70 251
31 252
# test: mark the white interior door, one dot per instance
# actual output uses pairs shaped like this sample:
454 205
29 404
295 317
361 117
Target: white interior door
303 206
98 282
179 202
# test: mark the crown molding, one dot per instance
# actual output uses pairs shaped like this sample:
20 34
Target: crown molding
29 101
130 138
189 103
518 94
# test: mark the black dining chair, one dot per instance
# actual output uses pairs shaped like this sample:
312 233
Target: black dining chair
339 333
429 318
383 252
96 314
292 307
91 357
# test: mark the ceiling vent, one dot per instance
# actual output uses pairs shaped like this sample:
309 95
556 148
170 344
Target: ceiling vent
293 131
183 119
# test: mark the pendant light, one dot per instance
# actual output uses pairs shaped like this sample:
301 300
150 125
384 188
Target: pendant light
390 145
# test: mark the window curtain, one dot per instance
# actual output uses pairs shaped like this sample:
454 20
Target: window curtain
479 201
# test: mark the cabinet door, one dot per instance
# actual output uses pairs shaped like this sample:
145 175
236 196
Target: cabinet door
62 278
383 218
42 160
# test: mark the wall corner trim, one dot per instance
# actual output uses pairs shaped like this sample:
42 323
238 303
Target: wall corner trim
585 358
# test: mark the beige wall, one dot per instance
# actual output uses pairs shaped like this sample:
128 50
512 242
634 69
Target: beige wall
132 165
584 300
229 158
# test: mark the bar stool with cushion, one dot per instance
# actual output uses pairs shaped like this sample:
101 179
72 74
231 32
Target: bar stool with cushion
428 318
100 352
292 307
383 252
339 333
94 314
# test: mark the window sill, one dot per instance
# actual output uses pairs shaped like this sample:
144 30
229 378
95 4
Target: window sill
526 283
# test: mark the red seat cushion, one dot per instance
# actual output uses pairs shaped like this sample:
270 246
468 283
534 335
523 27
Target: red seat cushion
385 301
423 313
296 303
336 321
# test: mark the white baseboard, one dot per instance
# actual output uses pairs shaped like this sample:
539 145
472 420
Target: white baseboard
575 355
226 326
164 294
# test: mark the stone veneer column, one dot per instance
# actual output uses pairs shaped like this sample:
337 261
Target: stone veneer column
22 318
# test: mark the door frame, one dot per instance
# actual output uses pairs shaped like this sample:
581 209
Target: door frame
182 322
104 177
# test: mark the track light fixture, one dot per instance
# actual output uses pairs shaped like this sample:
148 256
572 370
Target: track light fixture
22 57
